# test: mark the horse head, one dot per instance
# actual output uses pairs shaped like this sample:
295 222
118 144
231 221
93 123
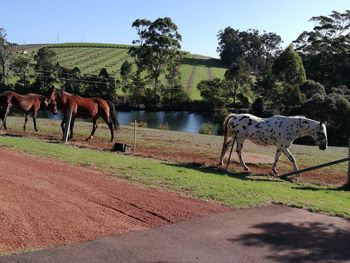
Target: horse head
51 99
320 135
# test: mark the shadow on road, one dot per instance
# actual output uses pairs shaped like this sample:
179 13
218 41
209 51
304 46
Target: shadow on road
300 243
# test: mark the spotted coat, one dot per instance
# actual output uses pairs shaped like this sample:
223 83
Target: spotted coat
278 130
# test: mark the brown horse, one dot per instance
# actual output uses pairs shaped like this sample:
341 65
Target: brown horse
83 108
29 103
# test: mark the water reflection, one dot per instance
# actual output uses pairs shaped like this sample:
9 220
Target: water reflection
177 120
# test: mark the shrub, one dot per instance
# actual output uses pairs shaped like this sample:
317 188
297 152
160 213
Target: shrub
164 126
141 124
208 128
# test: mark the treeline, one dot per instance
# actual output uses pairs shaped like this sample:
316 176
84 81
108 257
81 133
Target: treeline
311 77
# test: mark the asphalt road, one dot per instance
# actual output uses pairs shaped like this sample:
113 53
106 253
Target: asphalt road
266 234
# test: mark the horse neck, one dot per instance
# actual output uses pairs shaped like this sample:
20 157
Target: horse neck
62 97
305 127
41 98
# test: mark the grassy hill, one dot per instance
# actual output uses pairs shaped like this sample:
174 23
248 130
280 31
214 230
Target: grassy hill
90 58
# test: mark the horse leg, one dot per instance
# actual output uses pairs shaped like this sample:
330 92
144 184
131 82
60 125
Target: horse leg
290 157
71 129
274 165
25 121
225 145
239 153
63 124
94 127
2 113
34 121
5 115
109 123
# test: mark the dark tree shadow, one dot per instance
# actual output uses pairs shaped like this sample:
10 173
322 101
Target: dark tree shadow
324 188
207 62
220 171
305 242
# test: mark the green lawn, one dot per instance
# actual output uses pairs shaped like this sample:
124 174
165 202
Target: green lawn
234 189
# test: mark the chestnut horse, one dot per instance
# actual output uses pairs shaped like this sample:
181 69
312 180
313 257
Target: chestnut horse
29 103
83 108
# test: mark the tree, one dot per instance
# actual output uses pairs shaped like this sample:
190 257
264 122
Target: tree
229 47
125 70
102 86
288 67
4 55
126 74
310 88
20 65
158 47
335 109
291 99
326 49
70 79
271 48
237 81
212 92
45 67
257 49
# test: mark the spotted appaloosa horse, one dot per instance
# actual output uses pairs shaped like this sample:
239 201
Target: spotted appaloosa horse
29 103
278 130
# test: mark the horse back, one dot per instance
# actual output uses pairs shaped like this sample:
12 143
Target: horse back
86 107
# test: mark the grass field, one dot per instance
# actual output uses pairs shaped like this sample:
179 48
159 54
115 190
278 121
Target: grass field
90 58
232 188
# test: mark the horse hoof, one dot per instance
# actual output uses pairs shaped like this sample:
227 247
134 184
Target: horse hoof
274 174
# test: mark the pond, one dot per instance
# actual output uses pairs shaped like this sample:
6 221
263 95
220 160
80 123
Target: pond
177 120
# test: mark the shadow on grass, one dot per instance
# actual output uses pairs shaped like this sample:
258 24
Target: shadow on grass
315 188
303 242
223 172
10 135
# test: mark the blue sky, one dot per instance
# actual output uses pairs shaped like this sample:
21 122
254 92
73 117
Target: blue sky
198 21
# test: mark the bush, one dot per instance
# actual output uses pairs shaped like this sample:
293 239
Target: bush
141 124
208 128
164 126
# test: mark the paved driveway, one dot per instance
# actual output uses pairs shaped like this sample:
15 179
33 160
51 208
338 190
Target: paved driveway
266 234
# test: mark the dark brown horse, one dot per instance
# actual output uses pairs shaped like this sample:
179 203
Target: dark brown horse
83 108
29 103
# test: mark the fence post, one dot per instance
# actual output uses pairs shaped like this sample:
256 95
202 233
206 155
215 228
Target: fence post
67 126
134 148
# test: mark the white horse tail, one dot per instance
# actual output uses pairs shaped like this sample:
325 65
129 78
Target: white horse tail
226 131
225 124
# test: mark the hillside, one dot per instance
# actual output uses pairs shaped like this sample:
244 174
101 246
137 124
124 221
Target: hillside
90 58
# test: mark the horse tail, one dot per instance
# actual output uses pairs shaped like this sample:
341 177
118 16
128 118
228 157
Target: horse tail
113 116
225 143
225 124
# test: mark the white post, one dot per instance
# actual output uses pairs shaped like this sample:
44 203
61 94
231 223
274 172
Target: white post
67 126
134 148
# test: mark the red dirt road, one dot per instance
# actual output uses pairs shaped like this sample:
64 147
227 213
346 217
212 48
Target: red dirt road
45 203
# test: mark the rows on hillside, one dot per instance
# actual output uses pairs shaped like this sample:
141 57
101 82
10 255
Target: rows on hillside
91 58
